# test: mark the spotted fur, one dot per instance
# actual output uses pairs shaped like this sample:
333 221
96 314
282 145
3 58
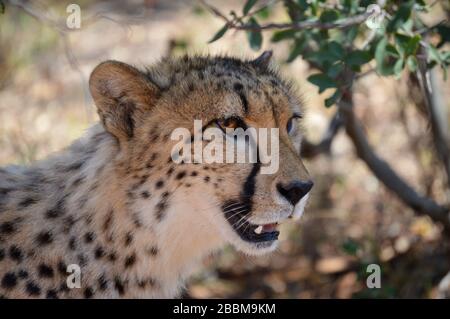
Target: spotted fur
115 204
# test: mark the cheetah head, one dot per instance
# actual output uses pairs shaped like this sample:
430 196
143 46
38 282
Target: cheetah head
234 201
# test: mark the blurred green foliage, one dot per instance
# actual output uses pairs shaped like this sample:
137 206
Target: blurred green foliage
14 54
393 42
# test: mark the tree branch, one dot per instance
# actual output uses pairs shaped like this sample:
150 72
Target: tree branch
310 150
41 13
302 25
382 170
436 111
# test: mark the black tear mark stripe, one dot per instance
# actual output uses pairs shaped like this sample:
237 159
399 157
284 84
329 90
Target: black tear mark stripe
249 187
239 89
244 102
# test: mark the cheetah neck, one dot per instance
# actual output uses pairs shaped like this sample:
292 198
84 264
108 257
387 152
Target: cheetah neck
118 232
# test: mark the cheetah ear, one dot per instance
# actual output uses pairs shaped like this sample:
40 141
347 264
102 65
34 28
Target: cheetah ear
264 59
122 95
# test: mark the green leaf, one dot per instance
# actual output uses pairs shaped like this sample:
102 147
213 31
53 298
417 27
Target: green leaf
407 45
382 52
323 81
412 64
408 26
401 16
421 3
303 4
401 42
398 67
334 70
248 6
352 33
329 16
329 53
391 51
334 98
219 34
357 58
336 50
297 49
283 35
433 54
413 45
314 7
445 56
444 32
264 13
255 38
351 247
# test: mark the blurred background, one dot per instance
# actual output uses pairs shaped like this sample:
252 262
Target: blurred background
352 220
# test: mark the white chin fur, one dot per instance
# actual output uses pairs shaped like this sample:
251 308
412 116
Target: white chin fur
247 247
254 248
300 207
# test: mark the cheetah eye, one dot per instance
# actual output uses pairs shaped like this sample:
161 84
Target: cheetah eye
290 127
230 122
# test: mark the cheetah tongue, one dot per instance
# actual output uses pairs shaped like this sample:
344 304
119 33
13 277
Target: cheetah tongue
268 228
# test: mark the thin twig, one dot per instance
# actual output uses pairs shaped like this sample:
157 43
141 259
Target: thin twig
262 7
41 14
215 11
310 150
302 25
425 30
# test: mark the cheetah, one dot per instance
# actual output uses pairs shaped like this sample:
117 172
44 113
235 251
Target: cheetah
115 204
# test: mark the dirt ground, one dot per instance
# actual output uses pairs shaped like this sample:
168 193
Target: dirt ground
351 221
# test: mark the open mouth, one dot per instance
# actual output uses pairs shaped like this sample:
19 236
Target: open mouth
236 215
259 233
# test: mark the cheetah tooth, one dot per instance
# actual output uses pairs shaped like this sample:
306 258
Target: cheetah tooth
258 229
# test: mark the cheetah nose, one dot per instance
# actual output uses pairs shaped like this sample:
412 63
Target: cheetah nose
295 191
